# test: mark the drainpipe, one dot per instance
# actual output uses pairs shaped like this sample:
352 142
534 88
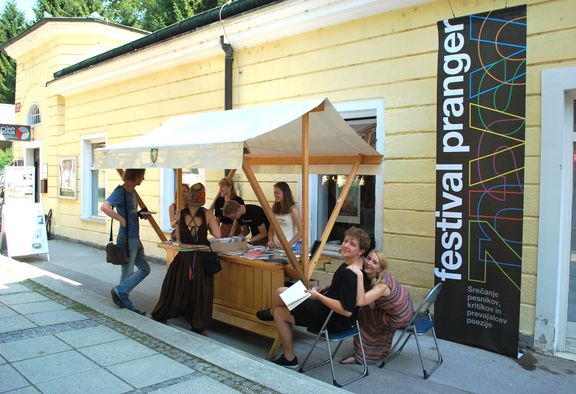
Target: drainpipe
228 61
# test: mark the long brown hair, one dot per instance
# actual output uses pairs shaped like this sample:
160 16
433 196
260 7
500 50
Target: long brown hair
228 182
283 207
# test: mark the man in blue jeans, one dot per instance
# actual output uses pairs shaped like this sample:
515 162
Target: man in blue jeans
123 198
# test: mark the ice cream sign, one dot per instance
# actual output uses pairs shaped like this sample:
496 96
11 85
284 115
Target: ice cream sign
12 132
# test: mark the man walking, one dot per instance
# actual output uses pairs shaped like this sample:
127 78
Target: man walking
123 198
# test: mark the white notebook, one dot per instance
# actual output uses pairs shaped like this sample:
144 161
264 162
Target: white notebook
294 295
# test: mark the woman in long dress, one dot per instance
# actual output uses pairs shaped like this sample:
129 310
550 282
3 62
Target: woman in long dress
187 290
384 308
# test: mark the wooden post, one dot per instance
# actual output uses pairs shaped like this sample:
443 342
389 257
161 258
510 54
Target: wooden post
305 180
334 215
179 202
229 176
277 230
151 220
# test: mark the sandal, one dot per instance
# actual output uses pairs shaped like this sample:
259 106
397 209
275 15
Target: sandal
348 360
265 315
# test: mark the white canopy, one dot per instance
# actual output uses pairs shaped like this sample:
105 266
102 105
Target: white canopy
222 139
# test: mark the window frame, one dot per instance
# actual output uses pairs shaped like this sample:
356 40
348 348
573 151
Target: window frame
86 158
30 118
348 110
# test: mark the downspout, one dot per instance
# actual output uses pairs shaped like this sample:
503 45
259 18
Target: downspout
228 61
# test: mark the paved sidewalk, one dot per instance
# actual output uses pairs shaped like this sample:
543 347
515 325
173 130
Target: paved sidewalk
60 332
56 337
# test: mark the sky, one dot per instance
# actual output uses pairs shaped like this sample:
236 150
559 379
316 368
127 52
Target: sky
23 5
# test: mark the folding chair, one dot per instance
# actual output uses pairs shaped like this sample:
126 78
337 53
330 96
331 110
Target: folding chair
336 337
421 323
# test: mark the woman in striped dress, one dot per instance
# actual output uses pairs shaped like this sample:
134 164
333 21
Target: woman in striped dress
385 307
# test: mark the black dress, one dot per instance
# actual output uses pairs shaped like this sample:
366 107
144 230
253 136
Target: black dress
187 291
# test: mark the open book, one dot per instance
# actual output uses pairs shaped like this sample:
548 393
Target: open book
294 295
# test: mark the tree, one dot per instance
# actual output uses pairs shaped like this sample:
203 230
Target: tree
68 8
12 23
162 13
6 157
125 12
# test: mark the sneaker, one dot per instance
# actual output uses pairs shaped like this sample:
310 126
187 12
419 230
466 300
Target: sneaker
282 361
265 315
116 299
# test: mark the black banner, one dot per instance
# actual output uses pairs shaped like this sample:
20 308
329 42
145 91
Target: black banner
480 178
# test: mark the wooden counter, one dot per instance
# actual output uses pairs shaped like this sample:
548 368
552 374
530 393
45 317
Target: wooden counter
244 287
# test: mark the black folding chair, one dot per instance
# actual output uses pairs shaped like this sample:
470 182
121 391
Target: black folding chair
336 337
421 323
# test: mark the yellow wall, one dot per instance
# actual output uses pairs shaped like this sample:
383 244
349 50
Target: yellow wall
390 56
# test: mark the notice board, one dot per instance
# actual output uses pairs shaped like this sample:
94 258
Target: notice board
23 221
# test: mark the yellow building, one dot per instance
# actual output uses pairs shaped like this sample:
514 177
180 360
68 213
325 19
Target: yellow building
84 83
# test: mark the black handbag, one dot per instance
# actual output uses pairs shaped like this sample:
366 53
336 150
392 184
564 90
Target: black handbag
211 262
118 254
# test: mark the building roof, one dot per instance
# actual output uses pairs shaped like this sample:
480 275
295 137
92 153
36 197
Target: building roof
53 20
179 28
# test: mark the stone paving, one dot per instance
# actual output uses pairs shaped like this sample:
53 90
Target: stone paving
60 332
54 344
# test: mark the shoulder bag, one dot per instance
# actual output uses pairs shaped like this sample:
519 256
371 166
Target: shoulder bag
210 260
118 254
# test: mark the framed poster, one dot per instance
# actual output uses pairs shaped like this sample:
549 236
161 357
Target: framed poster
350 212
67 178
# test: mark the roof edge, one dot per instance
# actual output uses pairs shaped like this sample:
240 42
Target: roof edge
188 25
45 21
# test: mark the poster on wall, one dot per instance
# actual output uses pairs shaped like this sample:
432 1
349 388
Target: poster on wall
350 211
67 178
480 178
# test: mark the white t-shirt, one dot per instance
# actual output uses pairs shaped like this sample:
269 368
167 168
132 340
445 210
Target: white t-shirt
287 225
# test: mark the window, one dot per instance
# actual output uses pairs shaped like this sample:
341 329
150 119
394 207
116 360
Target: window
190 176
34 115
361 208
93 180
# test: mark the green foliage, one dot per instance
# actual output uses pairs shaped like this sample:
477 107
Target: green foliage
162 13
148 15
125 12
12 23
6 157
68 8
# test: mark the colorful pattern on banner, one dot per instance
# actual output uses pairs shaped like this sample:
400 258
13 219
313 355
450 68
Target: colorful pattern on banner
480 178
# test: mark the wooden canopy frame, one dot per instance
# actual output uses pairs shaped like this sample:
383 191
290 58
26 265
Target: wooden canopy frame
306 267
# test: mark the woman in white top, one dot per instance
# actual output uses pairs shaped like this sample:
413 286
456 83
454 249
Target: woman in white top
286 214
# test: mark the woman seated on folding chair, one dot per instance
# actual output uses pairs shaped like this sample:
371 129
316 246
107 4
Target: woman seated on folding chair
312 313
386 306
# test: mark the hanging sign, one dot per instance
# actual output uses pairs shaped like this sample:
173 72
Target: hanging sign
480 178
14 132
